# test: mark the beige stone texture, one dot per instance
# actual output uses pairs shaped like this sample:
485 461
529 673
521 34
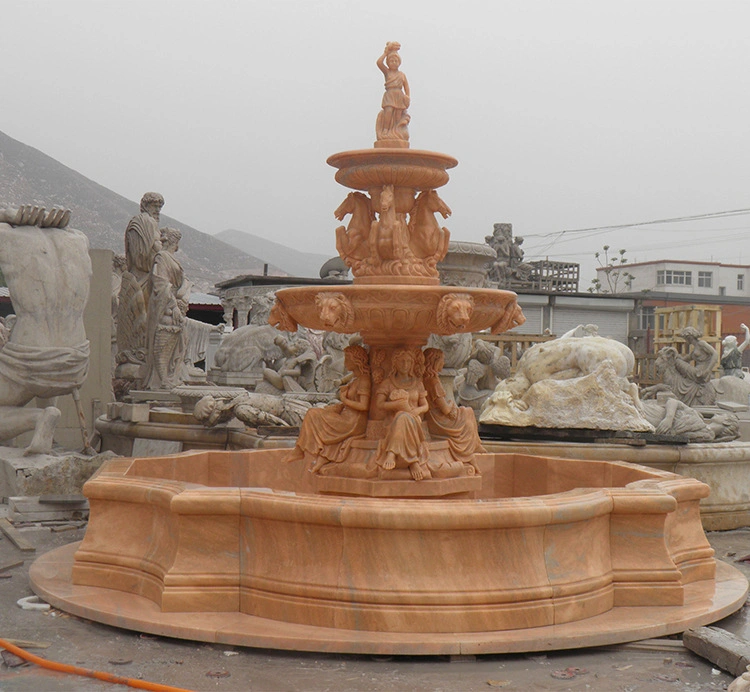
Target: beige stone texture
96 392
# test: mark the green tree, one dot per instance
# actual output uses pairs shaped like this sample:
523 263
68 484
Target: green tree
616 277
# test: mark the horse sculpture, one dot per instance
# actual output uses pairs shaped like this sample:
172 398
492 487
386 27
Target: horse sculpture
352 242
427 240
389 234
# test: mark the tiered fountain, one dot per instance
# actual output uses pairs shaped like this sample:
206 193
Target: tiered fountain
388 529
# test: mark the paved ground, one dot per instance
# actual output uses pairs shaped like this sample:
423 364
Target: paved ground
653 666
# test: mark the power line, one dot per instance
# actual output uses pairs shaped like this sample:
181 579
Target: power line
713 240
676 219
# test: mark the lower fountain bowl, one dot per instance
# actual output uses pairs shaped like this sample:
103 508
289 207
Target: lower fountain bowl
239 538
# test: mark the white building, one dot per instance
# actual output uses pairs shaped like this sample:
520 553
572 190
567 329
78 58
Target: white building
686 278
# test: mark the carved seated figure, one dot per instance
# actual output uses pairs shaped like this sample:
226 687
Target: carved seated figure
468 390
327 433
445 420
401 401
695 368
293 372
690 383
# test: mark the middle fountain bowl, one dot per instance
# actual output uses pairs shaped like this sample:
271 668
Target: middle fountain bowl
400 313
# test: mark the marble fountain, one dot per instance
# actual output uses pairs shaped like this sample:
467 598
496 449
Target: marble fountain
389 529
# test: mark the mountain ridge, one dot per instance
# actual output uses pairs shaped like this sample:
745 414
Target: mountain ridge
294 262
29 176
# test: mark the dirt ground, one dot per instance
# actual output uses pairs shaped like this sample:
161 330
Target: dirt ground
652 666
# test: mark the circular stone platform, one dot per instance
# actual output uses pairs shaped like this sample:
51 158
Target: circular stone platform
705 602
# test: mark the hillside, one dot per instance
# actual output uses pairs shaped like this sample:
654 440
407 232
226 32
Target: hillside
28 176
294 262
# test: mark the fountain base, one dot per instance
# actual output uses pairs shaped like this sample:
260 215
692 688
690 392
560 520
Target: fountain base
237 547
705 602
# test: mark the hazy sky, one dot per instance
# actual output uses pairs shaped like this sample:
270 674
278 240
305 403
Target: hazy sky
563 115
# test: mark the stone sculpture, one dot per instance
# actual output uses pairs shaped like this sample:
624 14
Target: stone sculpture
446 420
157 344
327 433
6 327
248 349
391 126
696 368
468 390
731 388
353 241
670 416
260 357
456 348
509 266
260 307
546 546
668 368
387 243
293 371
740 684
466 264
731 356
407 428
570 382
331 367
118 268
688 375
454 311
334 268
142 242
485 368
47 268
252 409
336 311
166 337
400 401
427 240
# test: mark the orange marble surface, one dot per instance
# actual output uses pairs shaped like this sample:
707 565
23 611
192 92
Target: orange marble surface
547 541
706 601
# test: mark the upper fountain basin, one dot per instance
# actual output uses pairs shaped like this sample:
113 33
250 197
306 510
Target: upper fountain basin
411 168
